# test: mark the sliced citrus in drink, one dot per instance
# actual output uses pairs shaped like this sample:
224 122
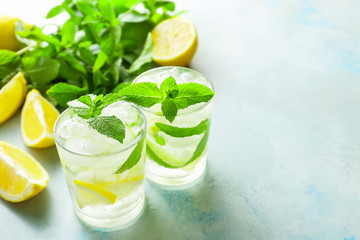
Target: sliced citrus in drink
38 117
161 156
175 42
12 96
102 193
21 176
88 193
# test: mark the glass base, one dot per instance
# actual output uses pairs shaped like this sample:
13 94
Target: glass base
128 215
175 178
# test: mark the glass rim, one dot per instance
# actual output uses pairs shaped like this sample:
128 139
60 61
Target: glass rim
133 143
198 108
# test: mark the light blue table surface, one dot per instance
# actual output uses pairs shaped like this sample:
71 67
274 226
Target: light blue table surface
284 148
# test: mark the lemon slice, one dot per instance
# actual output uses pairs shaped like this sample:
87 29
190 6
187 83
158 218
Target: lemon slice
12 96
38 117
21 176
88 193
175 42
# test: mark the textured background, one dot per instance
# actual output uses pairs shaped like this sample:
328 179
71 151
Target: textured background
284 150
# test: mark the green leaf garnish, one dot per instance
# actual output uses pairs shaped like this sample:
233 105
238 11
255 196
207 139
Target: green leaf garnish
192 93
183 132
144 94
199 148
85 113
169 109
153 156
109 126
172 96
169 87
197 153
134 157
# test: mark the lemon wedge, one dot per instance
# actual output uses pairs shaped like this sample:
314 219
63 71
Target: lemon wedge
38 117
12 96
175 42
21 176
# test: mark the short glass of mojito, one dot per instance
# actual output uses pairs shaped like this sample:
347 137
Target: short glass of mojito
176 151
104 177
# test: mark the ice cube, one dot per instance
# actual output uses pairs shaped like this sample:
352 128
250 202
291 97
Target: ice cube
202 81
73 128
186 77
175 72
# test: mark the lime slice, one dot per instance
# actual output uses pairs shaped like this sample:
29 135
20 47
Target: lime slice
165 156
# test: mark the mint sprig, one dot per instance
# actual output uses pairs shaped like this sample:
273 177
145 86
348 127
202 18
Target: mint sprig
91 108
171 95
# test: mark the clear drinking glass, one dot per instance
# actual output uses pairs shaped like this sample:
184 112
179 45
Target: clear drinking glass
174 160
103 199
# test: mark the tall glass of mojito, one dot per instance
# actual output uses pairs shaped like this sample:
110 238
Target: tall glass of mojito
102 151
177 126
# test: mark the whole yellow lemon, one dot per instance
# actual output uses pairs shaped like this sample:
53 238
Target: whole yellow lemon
7 33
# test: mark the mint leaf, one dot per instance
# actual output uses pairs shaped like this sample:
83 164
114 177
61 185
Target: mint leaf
169 109
192 93
144 94
153 156
109 126
100 61
7 56
158 139
63 93
197 153
106 10
73 62
109 99
169 87
86 99
40 70
199 148
134 157
145 55
83 112
55 11
183 132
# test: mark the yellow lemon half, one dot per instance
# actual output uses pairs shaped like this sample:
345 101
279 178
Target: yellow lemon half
12 96
21 176
175 42
38 117
7 33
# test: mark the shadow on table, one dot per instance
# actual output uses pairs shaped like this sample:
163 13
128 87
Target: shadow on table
34 211
48 157
208 210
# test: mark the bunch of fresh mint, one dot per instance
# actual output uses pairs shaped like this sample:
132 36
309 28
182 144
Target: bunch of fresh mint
103 45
